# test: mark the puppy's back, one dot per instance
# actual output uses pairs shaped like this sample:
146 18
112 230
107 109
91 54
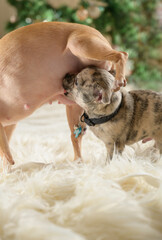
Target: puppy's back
147 112
147 100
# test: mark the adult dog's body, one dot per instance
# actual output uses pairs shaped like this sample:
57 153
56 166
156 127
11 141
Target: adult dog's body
33 62
117 118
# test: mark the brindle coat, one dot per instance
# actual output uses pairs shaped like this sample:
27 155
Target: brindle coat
139 116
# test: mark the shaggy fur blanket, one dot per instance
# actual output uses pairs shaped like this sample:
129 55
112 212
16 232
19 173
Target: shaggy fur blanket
47 196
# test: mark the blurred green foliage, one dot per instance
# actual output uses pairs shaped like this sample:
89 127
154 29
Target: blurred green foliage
132 25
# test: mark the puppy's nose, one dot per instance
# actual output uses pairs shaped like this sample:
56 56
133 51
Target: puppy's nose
66 93
68 82
69 78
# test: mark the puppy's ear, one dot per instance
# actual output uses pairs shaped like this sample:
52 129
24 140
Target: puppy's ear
106 96
103 91
107 92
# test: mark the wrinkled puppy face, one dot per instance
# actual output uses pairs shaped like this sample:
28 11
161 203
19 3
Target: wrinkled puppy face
91 86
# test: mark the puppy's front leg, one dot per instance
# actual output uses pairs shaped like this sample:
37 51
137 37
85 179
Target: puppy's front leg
94 47
113 147
73 115
110 150
4 148
158 144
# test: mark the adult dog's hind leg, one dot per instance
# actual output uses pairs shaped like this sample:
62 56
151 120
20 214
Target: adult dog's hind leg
73 116
93 47
4 147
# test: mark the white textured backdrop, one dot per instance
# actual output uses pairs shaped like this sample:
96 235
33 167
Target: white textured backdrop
46 196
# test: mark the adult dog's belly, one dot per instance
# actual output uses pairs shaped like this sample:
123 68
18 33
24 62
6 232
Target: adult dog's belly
23 90
28 82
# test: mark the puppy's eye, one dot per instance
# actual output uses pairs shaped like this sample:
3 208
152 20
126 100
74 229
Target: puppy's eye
76 81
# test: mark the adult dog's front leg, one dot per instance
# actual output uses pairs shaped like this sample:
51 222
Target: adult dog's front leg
4 148
73 115
95 47
9 130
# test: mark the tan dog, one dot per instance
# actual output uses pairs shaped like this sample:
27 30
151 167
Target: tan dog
33 62
117 118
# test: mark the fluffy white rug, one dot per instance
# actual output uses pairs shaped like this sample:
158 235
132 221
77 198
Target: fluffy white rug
46 196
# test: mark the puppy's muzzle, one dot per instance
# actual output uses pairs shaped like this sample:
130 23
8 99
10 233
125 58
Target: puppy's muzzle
68 83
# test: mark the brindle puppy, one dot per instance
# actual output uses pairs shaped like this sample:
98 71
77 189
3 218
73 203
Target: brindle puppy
117 118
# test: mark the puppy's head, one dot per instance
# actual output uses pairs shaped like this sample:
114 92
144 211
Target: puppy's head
91 86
